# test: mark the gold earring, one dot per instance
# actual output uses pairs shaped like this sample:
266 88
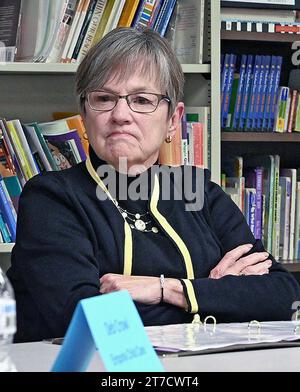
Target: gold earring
169 139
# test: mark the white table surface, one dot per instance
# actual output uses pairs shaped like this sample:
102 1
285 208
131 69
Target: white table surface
39 357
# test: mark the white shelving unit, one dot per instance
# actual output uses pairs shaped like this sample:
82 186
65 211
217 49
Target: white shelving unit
33 91
40 68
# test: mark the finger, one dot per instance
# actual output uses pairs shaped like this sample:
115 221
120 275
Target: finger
256 273
231 257
256 269
108 277
246 262
108 288
253 259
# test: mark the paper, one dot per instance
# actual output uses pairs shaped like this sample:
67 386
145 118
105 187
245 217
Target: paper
193 337
111 324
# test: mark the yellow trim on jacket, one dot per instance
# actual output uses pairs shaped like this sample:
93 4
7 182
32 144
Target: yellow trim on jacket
127 270
191 295
170 231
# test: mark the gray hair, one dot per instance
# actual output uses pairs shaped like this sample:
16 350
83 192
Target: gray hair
123 50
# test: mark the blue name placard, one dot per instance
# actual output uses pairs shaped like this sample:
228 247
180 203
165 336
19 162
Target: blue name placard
110 324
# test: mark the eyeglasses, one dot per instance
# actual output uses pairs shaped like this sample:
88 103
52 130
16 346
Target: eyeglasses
103 101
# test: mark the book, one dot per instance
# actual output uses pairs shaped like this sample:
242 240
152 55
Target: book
64 144
164 16
12 151
5 235
92 29
293 110
187 31
245 96
285 183
114 16
76 36
5 149
254 179
128 13
19 151
297 224
201 115
10 17
76 122
250 207
276 208
14 189
292 174
43 144
6 211
103 22
62 33
83 31
24 146
33 29
63 127
74 27
267 162
56 11
36 148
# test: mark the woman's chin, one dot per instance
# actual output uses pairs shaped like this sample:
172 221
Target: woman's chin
122 155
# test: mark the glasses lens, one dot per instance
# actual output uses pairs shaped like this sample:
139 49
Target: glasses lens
143 102
100 100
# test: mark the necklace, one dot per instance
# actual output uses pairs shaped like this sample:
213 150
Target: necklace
140 222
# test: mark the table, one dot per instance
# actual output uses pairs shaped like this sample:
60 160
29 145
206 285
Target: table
39 356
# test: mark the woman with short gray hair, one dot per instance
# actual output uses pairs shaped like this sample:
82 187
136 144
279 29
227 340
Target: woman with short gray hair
108 226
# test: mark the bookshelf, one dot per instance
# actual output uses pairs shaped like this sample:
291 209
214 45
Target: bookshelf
32 91
264 143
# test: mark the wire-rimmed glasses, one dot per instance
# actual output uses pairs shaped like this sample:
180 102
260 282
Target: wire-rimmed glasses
141 102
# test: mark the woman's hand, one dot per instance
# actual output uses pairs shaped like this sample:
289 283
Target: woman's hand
144 289
233 263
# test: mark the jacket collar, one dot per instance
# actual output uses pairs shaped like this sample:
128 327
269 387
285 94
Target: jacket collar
166 207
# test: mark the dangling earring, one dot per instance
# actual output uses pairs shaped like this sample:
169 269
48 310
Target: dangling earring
169 139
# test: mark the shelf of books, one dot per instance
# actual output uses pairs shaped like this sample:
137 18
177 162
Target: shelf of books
260 121
59 68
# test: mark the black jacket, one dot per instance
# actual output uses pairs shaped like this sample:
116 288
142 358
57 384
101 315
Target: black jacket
67 239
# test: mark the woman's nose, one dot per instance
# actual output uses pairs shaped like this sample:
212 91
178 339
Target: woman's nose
121 112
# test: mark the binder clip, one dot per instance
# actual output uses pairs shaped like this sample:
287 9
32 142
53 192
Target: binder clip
214 326
254 323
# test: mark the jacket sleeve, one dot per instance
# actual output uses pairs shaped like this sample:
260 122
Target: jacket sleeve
239 298
53 262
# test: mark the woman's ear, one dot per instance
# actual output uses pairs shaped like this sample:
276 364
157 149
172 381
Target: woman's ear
175 119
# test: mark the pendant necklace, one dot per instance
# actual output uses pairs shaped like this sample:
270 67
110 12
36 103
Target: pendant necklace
140 222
